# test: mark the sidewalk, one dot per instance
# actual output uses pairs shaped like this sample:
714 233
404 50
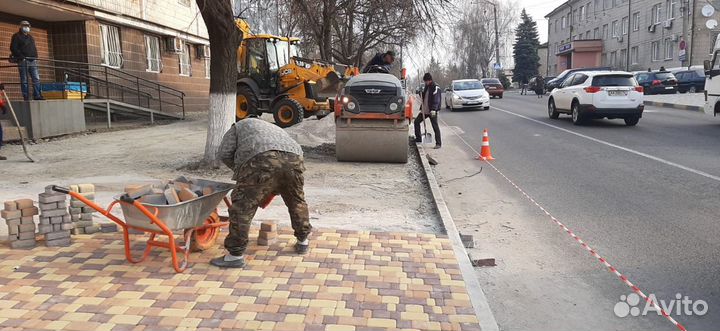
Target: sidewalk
685 101
350 280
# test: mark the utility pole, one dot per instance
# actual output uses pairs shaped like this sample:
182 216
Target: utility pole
627 52
497 43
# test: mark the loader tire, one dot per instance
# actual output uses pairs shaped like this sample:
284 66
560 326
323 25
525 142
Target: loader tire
246 103
288 112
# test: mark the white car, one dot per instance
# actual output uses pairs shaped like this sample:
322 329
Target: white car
598 94
466 94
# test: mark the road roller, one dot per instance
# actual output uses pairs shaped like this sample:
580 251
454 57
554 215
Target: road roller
372 114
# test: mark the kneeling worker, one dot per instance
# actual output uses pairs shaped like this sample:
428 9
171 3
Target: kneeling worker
266 161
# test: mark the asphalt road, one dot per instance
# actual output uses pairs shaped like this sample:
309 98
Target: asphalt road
645 198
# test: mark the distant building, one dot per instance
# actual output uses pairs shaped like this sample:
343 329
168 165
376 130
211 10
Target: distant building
628 34
163 41
543 55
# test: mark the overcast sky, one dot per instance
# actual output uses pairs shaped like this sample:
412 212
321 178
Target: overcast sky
538 9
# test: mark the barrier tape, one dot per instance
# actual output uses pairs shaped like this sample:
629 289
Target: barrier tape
582 243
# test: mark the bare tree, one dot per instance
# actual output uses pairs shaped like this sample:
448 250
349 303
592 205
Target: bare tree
224 41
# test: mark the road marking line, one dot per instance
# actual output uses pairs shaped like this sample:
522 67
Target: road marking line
582 243
629 150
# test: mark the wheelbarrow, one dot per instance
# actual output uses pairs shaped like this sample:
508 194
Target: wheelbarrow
197 221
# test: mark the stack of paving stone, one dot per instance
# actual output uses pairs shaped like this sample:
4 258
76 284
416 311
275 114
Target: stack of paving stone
82 215
55 222
19 216
268 233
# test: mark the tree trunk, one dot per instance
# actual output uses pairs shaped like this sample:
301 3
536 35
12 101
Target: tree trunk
224 41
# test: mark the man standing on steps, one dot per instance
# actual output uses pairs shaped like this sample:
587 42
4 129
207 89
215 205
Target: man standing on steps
429 108
266 161
24 53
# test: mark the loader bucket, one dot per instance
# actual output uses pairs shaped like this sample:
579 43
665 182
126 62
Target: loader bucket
364 140
328 86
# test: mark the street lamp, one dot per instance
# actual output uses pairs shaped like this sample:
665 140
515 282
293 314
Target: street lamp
497 39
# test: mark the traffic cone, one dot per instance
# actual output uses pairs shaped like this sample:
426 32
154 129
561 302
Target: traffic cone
485 153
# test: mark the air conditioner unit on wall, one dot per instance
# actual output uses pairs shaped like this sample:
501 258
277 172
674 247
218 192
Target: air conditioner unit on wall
173 44
667 24
651 28
203 51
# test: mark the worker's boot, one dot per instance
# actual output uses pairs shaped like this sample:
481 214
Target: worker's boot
228 261
302 247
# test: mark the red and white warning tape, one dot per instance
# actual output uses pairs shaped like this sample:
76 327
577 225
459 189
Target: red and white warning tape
582 243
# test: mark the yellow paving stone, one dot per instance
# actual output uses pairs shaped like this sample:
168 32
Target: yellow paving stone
230 306
246 315
414 308
294 318
381 323
266 325
129 294
322 303
343 312
140 303
57 325
77 317
391 307
116 310
13 313
218 291
159 288
336 327
463 318
339 289
245 299
390 299
190 322
89 300
126 319
174 312
310 288
414 316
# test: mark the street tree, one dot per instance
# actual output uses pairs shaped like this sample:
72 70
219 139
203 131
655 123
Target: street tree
525 53
224 40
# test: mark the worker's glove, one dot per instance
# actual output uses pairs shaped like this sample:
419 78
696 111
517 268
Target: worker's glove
433 113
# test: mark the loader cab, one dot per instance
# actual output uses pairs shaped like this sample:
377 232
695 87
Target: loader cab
260 58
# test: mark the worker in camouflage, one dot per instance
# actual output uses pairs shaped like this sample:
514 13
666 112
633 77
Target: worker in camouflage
266 161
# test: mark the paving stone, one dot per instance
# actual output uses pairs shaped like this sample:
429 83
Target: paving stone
86 217
49 206
78 231
26 235
44 220
60 242
108 227
51 197
30 211
45 228
67 226
83 224
74 188
467 240
269 225
266 242
56 235
92 229
186 195
87 209
24 203
267 235
27 220
56 227
77 204
27 243
86 188
74 210
66 219
10 205
10 214
54 213
75 217
153 199
56 220
479 260
13 226
171 196
61 204
26 227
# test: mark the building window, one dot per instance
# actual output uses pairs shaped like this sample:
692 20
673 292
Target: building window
656 13
655 50
615 29
110 47
669 46
574 15
623 57
564 22
613 59
634 55
152 53
596 33
605 32
184 2
583 13
185 65
569 19
636 21
607 4
207 68
625 25
670 6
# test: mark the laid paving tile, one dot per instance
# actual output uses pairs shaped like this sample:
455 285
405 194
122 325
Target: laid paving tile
348 281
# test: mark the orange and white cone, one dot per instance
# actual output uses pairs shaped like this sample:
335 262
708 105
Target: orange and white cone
485 153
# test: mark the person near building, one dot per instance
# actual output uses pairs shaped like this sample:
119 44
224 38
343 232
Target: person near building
429 108
24 52
266 161
539 86
523 86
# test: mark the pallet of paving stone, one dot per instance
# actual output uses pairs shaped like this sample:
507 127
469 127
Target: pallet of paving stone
80 213
55 222
19 216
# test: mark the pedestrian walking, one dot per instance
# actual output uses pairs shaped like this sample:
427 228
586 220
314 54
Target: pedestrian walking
266 161
524 85
24 52
429 108
539 86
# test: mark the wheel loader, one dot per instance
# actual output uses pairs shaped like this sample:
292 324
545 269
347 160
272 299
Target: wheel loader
273 78
372 114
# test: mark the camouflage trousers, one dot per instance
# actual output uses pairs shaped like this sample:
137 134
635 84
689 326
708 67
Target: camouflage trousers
263 176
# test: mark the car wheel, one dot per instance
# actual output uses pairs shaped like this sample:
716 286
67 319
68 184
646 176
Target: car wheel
500 96
552 111
577 117
692 89
632 121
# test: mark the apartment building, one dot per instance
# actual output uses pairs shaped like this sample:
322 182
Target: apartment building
163 41
629 34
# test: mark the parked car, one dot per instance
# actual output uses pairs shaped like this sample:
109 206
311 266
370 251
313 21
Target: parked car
555 82
657 82
493 87
598 94
691 80
467 94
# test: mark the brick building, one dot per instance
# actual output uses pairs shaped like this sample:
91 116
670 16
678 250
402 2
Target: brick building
163 41
628 34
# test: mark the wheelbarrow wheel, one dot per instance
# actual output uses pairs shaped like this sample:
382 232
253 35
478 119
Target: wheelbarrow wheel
203 239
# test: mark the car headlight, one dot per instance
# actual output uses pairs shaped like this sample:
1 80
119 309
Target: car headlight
351 105
393 106
456 97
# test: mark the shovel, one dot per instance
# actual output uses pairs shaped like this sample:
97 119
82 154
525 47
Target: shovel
17 123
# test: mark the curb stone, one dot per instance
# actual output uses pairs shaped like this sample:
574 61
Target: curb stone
472 284
673 105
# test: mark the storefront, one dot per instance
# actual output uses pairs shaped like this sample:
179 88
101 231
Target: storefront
579 54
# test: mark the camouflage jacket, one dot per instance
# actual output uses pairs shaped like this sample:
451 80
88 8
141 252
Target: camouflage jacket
250 137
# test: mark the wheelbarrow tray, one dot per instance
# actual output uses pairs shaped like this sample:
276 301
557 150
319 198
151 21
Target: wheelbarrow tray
181 216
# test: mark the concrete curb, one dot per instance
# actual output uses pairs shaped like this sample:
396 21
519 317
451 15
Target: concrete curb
477 296
673 105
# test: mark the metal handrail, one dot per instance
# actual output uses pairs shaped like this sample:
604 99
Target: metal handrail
102 75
